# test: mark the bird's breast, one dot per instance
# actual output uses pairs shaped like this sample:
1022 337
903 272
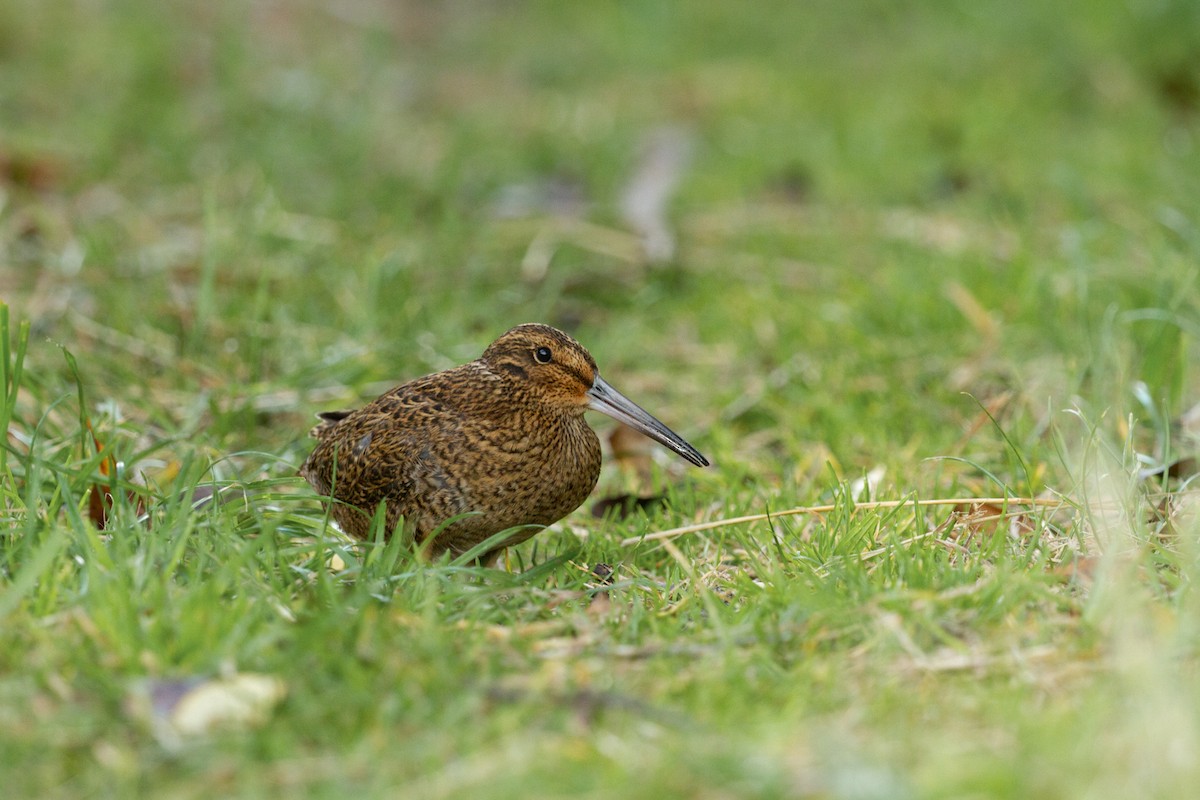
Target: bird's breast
536 473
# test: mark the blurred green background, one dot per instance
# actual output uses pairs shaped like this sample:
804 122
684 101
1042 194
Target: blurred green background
296 193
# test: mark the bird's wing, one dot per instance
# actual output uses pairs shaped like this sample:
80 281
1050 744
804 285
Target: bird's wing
385 451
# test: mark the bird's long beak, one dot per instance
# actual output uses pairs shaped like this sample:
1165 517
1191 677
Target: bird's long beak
607 400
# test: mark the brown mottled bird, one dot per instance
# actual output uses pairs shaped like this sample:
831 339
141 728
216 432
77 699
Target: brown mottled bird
495 444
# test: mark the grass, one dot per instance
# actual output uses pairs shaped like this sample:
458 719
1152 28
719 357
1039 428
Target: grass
950 248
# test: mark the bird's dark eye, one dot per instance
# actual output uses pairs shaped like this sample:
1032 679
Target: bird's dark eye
542 355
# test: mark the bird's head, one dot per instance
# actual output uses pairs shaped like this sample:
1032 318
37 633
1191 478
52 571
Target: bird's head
548 364
560 372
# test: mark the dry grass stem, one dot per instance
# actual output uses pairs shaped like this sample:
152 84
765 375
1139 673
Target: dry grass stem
1052 503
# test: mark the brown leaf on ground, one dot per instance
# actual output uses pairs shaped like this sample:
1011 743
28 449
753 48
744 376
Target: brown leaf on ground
1080 570
1179 87
632 453
603 572
969 520
1172 512
27 171
100 500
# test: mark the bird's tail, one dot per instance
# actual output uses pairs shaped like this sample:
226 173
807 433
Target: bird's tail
329 421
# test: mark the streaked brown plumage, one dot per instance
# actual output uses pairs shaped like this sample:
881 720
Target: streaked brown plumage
501 440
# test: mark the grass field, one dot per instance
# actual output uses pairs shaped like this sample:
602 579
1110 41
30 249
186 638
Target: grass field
921 253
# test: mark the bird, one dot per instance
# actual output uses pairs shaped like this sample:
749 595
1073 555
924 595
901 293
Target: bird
497 444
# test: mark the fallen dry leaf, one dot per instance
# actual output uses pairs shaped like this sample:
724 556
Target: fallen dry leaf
1080 570
983 519
29 172
240 701
100 501
632 453
181 708
603 571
